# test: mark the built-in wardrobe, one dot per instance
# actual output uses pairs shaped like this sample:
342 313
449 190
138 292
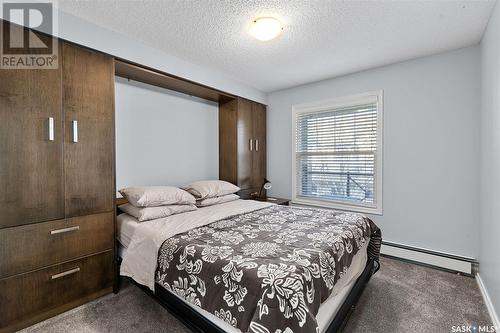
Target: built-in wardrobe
242 144
57 176
57 186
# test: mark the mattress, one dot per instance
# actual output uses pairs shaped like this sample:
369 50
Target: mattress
126 226
327 311
265 270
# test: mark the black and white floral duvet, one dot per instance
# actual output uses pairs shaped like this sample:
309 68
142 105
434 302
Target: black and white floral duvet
268 270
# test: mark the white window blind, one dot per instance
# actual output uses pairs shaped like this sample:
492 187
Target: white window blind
336 154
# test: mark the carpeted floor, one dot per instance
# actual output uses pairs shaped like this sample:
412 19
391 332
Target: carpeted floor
401 297
404 297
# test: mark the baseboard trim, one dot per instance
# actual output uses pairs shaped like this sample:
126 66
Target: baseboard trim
440 260
489 303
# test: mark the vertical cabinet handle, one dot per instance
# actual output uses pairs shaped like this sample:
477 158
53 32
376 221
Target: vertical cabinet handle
51 128
251 144
74 123
256 144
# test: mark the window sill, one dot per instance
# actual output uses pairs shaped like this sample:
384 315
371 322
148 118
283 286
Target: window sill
337 206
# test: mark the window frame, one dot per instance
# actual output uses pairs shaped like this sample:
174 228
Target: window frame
337 103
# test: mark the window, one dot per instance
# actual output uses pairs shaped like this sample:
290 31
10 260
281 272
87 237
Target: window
338 153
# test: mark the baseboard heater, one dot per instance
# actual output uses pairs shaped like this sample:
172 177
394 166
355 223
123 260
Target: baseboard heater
444 261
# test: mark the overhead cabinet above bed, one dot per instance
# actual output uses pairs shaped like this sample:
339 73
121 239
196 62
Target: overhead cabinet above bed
242 125
242 144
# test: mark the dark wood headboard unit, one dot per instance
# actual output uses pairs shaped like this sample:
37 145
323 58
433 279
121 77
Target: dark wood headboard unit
161 79
242 125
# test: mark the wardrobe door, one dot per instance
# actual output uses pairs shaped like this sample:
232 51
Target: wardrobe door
31 163
88 103
228 150
259 135
246 144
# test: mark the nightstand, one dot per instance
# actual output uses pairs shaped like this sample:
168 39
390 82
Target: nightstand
278 201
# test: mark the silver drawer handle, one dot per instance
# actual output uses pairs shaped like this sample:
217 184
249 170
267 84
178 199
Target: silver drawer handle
51 129
256 144
251 145
61 231
60 275
75 130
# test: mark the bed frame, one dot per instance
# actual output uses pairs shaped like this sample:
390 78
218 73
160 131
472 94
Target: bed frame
198 323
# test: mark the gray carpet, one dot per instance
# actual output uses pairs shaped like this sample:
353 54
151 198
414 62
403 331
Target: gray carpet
401 297
404 297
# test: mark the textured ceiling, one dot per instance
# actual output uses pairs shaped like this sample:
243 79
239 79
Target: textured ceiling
321 39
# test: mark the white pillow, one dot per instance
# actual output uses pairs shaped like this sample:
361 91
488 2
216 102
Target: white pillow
217 200
211 188
153 196
152 213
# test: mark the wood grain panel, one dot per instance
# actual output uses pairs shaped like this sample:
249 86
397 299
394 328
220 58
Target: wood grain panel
88 86
228 164
259 155
245 134
121 201
31 166
167 81
33 246
118 203
240 121
31 297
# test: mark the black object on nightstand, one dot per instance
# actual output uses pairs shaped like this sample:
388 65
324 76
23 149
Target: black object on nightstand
278 201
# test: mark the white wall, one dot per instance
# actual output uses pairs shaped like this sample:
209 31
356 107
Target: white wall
79 31
489 248
431 140
163 137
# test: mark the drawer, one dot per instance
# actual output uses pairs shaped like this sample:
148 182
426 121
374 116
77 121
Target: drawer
34 296
33 246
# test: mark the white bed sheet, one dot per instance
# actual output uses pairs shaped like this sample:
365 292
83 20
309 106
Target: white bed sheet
126 226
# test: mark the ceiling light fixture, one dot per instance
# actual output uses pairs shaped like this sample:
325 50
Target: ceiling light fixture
265 28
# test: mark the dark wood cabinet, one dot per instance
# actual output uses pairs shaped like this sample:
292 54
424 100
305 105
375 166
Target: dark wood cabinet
242 144
259 134
228 141
37 245
57 186
36 295
245 140
31 162
88 85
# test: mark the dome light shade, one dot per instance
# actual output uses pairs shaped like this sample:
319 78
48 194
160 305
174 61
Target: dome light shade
265 28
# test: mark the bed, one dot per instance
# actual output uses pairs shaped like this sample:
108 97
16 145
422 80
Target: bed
249 266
